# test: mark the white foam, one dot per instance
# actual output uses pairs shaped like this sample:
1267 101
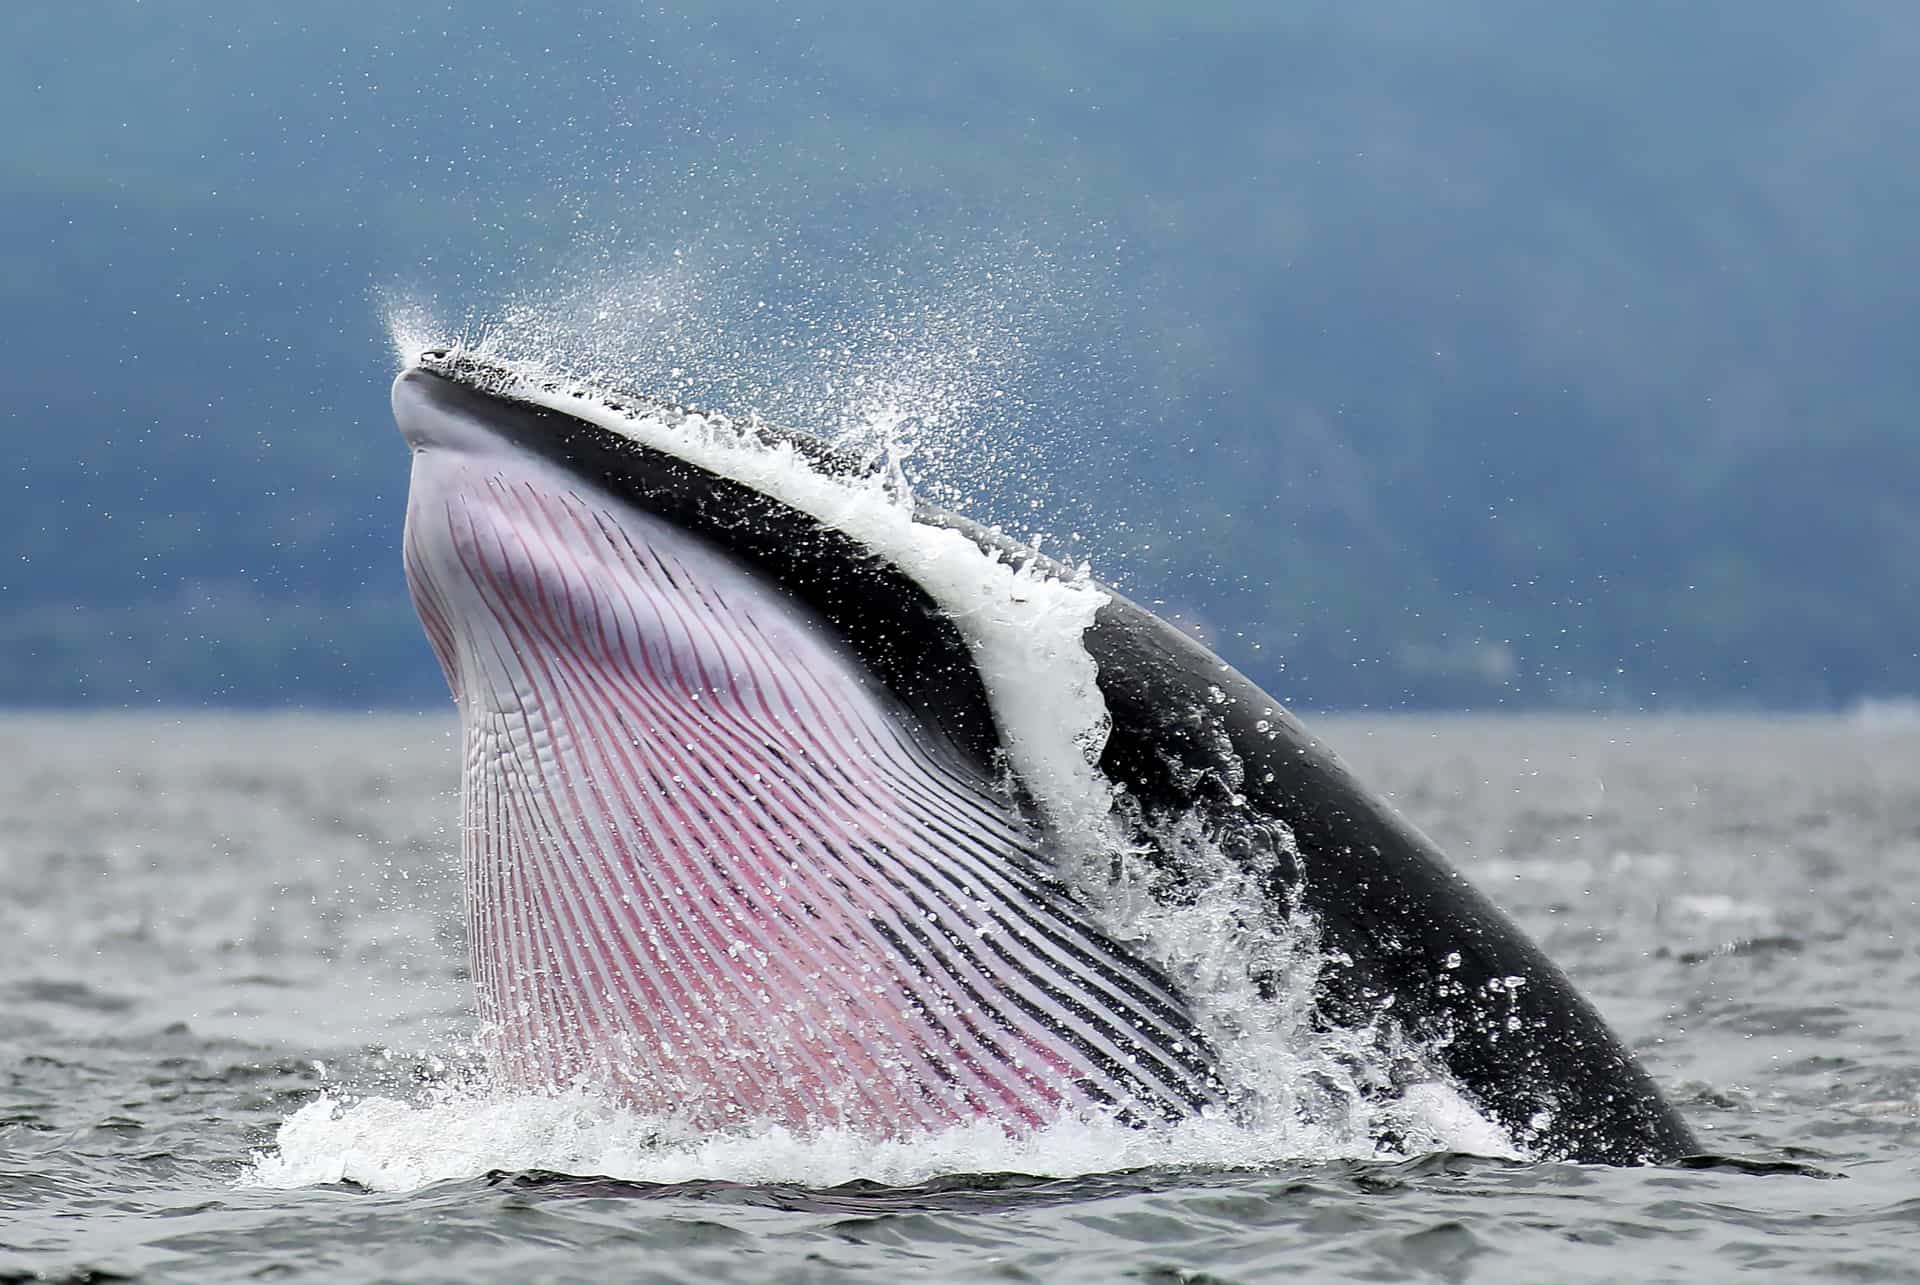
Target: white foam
388 1145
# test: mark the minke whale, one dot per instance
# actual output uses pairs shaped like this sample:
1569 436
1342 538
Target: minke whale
754 829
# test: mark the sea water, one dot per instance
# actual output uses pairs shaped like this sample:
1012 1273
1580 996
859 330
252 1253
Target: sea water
235 1024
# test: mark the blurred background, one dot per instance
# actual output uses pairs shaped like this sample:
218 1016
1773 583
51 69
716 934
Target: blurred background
1417 355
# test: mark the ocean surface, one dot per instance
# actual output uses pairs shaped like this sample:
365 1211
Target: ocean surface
234 1013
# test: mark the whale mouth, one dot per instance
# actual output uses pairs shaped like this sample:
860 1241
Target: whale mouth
721 862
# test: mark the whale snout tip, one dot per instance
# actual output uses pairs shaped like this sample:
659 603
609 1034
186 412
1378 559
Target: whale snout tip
412 411
434 409
421 407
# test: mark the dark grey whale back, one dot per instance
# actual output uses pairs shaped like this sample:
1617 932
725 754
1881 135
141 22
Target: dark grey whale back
1464 979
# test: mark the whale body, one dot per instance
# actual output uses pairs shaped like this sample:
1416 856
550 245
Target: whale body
751 834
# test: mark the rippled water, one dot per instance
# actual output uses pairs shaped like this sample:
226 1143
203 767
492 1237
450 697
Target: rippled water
210 923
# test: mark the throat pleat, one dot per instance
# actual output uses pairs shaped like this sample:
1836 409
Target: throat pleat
715 868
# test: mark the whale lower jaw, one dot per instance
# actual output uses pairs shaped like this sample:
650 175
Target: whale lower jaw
715 869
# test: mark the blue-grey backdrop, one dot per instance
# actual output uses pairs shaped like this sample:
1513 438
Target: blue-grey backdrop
1421 354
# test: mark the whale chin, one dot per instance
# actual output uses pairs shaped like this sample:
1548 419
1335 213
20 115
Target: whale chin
715 867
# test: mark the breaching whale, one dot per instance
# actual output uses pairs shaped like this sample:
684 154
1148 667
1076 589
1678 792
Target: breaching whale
754 829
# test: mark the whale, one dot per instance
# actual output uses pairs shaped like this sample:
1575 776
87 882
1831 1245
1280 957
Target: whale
787 798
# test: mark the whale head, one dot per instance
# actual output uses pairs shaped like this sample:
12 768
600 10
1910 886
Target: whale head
786 800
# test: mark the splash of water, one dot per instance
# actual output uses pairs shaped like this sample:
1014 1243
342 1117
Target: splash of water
385 1144
929 371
